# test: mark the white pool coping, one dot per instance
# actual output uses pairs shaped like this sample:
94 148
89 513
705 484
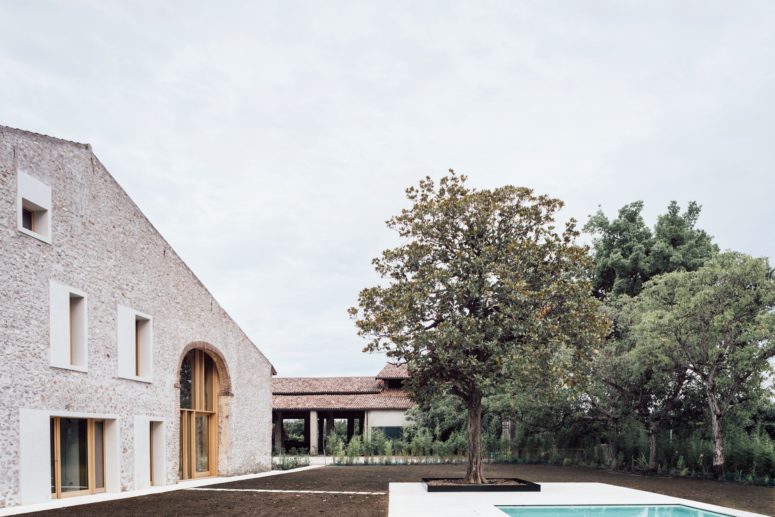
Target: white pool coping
411 500
55 504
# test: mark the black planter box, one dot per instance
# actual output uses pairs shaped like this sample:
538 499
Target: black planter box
524 486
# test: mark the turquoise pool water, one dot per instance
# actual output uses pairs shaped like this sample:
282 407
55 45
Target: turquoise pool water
607 511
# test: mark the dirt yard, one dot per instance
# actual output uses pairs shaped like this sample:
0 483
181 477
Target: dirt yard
376 479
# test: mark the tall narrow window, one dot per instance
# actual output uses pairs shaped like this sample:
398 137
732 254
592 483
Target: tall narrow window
150 446
198 416
142 346
68 327
77 328
135 345
77 456
138 350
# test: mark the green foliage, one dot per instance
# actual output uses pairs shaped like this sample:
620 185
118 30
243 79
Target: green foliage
354 447
483 280
291 461
335 444
627 253
681 468
718 323
484 289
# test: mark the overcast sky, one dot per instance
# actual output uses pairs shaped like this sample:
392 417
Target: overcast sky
269 141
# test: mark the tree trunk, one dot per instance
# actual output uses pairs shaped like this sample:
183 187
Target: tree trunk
718 433
652 432
507 436
474 471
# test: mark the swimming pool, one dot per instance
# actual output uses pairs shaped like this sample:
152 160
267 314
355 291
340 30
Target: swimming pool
608 511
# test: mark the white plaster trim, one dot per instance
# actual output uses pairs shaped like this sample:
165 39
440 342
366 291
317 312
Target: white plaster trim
60 330
37 193
71 368
35 454
125 339
38 236
411 499
107 496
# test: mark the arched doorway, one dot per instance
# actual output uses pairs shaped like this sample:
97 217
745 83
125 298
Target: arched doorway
199 390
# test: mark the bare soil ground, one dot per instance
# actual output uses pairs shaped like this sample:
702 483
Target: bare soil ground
376 479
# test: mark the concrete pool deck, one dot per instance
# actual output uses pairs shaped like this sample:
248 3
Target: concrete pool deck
411 500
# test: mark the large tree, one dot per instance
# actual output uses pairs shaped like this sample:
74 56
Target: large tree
634 377
719 322
483 287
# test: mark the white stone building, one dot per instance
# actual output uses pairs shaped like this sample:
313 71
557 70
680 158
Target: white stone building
119 369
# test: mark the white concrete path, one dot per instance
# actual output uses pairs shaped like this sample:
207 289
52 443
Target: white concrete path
112 496
412 500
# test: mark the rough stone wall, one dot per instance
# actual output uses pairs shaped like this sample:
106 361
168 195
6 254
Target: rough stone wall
103 245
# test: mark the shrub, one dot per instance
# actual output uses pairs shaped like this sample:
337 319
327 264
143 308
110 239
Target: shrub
293 461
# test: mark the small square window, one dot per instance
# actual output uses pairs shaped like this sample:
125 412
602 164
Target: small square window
34 207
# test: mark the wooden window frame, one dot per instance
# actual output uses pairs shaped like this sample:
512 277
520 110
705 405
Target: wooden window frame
188 419
150 446
90 448
138 355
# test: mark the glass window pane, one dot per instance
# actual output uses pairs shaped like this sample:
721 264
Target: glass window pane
99 454
202 443
209 366
27 219
185 382
53 457
184 445
74 454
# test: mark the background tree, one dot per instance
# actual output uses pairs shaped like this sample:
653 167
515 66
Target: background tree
632 377
627 253
483 287
720 322
641 377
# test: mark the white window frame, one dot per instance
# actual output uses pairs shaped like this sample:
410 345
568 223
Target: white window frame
64 353
33 194
142 451
35 453
126 323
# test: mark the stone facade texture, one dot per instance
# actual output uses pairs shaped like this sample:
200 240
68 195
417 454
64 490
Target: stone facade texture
103 245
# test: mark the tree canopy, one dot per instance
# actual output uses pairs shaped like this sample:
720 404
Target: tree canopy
484 288
628 253
718 324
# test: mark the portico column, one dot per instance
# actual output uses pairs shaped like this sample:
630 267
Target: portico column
329 422
313 433
278 431
329 425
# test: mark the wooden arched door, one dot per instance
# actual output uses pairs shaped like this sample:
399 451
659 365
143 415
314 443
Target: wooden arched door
198 416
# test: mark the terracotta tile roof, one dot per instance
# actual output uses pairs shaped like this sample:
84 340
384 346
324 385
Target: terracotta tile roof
388 399
333 393
328 385
394 371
